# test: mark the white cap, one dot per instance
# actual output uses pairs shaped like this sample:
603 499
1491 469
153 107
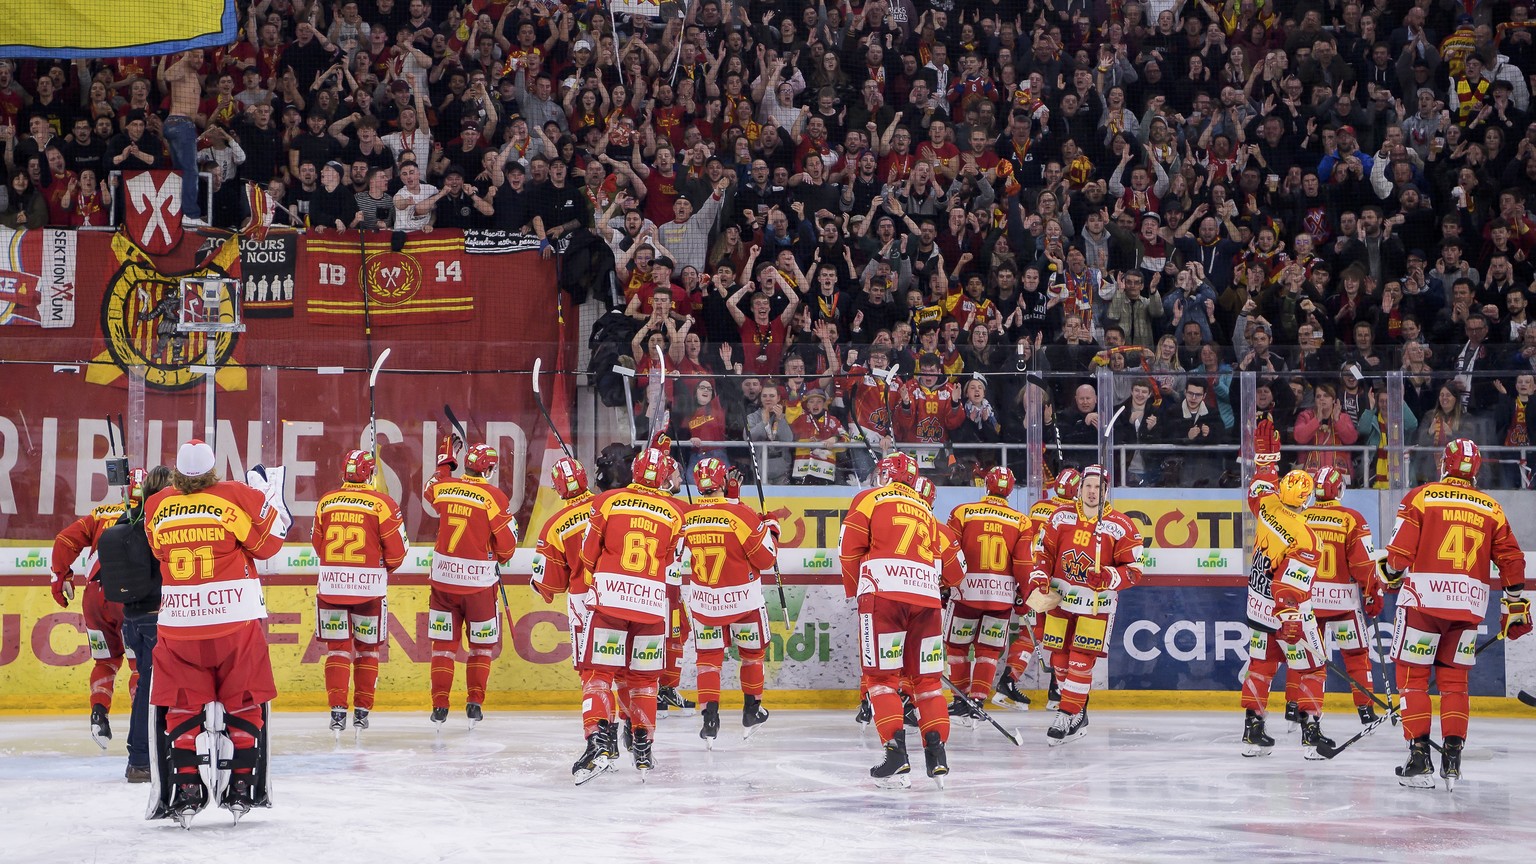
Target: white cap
194 459
580 44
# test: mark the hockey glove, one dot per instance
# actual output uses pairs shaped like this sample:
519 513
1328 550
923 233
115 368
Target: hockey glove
772 525
63 585
1266 441
1290 626
944 595
1373 604
1037 582
447 447
1517 616
1392 579
1103 579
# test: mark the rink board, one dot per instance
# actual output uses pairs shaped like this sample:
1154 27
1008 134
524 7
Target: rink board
1169 639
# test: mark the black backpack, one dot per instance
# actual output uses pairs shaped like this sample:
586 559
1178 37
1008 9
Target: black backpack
129 571
608 342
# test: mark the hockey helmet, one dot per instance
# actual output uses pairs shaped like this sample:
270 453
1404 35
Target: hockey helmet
1328 483
674 476
999 482
650 468
1461 459
709 475
925 490
568 477
481 460
1295 488
899 468
1067 484
359 467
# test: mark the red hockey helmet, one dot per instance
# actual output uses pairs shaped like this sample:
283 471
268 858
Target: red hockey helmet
925 490
1328 483
1461 459
568 477
999 482
481 460
1098 471
899 468
1067 484
359 467
709 475
650 468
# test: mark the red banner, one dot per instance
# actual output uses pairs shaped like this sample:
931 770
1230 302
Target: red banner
427 281
53 440
152 209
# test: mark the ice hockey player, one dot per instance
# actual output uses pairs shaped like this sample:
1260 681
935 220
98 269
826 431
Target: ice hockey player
1027 635
1447 534
103 618
1345 585
992 536
630 542
728 547
557 560
212 677
1087 553
476 532
895 559
360 539
1280 617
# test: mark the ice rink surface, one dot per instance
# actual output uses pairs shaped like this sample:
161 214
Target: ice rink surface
1142 786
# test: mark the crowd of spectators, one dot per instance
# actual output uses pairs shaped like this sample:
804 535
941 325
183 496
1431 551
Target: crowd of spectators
852 227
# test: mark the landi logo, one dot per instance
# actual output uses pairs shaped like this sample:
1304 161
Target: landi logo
649 651
1422 648
1212 561
33 561
365 628
611 648
819 561
304 559
424 559
1147 558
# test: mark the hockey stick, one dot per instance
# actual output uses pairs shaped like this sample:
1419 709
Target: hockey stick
762 507
666 425
538 397
1388 677
373 416
1526 699
1329 752
980 712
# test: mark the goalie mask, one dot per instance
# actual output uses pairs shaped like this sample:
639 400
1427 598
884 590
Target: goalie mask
1295 488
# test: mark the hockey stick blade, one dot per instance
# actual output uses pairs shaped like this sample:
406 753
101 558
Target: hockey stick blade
981 713
1526 699
373 374
1328 752
538 363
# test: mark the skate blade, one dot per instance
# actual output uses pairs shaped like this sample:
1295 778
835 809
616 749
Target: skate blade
1251 750
938 779
1313 755
749 731
1417 781
583 776
642 772
184 820
895 781
472 725
1002 701
1450 782
100 739
709 743
1057 742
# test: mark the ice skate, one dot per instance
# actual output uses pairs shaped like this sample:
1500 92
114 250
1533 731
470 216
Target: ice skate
1255 741
473 711
101 728
610 740
933 755
439 717
239 798
753 716
642 753
865 714
1292 716
1066 727
1367 714
1312 737
711 728
1007 693
339 720
629 737
894 772
188 799
594 760
1052 695
1418 773
960 707
359 718
667 698
1450 761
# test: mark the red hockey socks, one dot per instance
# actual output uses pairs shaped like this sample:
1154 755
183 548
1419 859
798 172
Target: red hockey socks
477 673
1358 665
596 700
708 667
1455 705
1074 688
642 700
1413 684
959 659
1256 685
103 680
442 675
983 672
932 710
366 671
338 672
885 702
751 671
1309 689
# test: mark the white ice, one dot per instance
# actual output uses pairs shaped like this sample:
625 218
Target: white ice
1142 786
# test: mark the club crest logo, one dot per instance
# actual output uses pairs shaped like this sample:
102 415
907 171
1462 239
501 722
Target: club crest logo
393 277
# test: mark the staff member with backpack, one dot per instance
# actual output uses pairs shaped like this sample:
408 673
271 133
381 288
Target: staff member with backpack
130 575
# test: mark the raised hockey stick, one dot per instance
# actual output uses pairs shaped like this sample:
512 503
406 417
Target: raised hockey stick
373 417
538 397
666 423
1015 736
762 507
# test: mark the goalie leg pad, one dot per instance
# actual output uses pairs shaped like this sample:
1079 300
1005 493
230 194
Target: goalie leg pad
245 743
